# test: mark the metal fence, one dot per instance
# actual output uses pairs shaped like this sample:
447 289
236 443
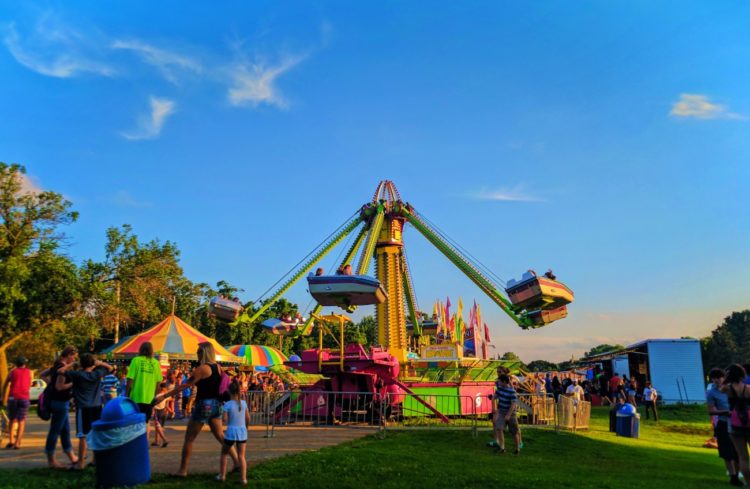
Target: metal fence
367 410
573 415
322 408
434 411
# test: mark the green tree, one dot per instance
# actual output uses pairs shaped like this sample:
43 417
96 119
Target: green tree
542 366
509 356
604 348
729 342
137 283
29 237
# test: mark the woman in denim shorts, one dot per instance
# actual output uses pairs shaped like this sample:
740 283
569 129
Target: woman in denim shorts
206 377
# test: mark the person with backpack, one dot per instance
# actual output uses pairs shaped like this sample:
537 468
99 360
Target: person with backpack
57 398
17 389
209 379
738 393
87 392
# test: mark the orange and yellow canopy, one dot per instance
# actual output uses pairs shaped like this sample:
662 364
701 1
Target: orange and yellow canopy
174 337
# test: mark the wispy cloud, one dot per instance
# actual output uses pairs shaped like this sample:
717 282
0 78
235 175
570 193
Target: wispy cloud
516 193
700 107
29 184
53 49
254 84
123 198
167 62
149 125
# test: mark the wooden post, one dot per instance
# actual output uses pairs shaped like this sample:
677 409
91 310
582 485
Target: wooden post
117 311
341 343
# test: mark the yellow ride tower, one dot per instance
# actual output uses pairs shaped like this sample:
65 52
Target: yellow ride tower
389 269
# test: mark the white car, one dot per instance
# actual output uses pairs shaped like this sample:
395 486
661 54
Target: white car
37 387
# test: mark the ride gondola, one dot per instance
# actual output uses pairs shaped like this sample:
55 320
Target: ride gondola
346 290
542 317
226 309
533 292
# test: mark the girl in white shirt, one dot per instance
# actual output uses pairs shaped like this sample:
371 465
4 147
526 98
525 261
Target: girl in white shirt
236 419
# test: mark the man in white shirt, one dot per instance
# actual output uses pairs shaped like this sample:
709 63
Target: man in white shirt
575 391
649 400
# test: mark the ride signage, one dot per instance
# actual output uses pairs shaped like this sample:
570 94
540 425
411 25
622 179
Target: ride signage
440 352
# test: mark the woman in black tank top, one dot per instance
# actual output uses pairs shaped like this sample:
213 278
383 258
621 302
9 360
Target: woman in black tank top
206 377
209 388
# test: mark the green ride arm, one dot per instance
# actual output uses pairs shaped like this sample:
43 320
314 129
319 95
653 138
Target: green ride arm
355 246
372 239
306 329
411 301
306 267
465 266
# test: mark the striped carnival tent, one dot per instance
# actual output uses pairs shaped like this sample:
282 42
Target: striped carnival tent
174 337
259 355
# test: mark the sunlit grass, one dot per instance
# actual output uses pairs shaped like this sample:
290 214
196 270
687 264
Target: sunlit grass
667 455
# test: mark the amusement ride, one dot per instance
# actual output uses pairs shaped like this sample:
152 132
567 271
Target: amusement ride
401 363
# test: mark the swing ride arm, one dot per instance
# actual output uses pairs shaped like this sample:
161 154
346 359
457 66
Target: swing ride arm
411 300
465 266
335 240
372 239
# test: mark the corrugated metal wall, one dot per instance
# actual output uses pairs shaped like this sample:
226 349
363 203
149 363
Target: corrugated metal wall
676 370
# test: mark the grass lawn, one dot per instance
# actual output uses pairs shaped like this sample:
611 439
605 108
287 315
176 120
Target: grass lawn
668 455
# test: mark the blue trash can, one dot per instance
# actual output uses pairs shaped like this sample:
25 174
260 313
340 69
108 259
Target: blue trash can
628 421
120 445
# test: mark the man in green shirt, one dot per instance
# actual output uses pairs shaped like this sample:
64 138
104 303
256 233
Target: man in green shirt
144 376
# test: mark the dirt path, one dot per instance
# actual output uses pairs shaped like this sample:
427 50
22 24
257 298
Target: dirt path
286 440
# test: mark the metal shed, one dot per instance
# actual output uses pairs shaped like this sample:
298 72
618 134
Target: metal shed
674 367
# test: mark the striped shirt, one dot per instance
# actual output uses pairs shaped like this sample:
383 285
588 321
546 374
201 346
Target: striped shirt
109 387
505 396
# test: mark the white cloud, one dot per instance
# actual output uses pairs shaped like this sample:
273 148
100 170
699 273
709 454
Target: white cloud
29 184
53 49
253 84
149 126
700 107
516 193
167 62
124 198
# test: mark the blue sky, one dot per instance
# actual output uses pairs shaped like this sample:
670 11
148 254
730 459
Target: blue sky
608 141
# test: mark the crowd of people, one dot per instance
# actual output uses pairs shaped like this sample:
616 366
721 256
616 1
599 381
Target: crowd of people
613 390
205 394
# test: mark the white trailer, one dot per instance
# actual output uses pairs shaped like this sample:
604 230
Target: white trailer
675 368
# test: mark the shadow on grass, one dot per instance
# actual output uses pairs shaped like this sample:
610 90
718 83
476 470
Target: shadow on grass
453 459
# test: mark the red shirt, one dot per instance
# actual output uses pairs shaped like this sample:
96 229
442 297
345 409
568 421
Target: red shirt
20 383
614 383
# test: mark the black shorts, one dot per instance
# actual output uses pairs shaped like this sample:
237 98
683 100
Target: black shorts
726 447
146 409
85 416
229 443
